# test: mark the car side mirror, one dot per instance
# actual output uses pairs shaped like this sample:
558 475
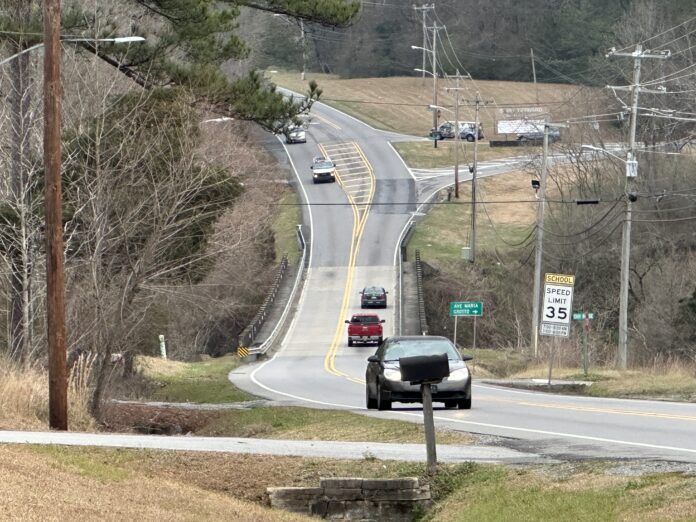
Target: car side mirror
347 321
311 167
467 357
386 292
373 359
383 320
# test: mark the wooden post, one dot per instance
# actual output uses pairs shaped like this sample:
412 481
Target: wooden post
429 425
55 301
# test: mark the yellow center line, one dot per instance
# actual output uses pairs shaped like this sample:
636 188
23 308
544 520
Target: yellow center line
359 219
591 409
327 122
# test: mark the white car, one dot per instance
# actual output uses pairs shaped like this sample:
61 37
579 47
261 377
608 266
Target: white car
295 134
323 170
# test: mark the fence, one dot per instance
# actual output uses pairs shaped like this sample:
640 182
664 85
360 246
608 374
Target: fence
421 301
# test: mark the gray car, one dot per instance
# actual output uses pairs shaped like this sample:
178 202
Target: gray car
383 384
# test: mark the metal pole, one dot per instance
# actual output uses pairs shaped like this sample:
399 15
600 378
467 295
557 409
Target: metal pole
429 425
474 345
586 333
536 88
435 82
472 255
457 137
540 244
553 350
626 236
304 49
425 42
55 299
454 337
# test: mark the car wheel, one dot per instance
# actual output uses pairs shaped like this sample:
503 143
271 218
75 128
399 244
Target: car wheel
469 138
379 341
350 342
370 401
383 402
465 404
450 404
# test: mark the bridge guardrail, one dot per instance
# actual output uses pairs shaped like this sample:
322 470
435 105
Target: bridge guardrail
263 348
421 301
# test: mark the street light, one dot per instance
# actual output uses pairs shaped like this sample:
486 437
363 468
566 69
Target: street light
118 40
55 291
631 172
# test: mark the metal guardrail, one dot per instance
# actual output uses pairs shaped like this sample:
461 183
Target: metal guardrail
249 333
302 243
421 301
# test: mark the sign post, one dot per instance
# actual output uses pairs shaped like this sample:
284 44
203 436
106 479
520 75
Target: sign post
585 317
466 309
557 311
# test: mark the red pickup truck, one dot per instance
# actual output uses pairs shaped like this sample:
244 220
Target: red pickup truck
364 328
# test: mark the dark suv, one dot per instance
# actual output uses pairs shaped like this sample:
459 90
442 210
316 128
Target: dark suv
373 296
467 130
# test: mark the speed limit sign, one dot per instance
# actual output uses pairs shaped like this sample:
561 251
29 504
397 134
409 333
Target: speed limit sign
558 305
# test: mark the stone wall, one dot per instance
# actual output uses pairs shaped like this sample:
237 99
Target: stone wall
357 499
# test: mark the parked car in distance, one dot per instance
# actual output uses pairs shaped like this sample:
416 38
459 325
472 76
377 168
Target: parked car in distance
295 134
467 130
537 136
373 297
365 328
383 384
323 170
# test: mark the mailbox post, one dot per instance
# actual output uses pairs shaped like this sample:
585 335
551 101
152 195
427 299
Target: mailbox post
426 370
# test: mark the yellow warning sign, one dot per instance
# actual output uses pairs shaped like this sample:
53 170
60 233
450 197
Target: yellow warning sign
242 351
560 279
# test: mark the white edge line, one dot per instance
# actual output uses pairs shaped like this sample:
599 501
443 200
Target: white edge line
300 269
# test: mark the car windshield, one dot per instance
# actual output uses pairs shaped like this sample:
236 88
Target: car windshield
323 164
397 349
365 319
373 292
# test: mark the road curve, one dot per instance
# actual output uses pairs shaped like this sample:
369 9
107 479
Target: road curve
353 244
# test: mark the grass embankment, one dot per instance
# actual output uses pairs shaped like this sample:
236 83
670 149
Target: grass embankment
206 382
95 483
506 213
422 154
197 382
284 227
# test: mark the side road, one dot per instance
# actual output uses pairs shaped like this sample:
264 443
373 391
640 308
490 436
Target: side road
299 448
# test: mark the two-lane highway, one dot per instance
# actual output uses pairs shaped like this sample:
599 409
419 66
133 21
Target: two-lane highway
355 226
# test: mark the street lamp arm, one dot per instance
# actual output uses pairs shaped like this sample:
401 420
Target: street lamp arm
24 51
605 151
427 72
416 47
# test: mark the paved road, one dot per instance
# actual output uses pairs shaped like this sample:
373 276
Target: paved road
354 245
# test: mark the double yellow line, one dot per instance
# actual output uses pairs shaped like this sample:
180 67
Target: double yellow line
359 221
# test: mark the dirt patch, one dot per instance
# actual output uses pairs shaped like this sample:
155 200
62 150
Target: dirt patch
154 420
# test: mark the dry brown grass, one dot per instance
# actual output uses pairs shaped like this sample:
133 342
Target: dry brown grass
24 397
398 103
60 484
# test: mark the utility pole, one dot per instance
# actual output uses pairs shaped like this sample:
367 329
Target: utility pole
536 88
304 50
457 136
474 171
540 239
55 298
424 9
540 243
631 173
434 51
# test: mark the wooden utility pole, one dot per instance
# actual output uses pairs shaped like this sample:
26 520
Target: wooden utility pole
55 299
436 111
424 9
457 135
474 171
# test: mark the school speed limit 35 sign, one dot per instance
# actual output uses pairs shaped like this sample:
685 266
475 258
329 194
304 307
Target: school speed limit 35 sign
558 305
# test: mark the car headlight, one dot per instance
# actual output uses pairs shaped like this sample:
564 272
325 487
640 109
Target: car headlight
459 375
392 375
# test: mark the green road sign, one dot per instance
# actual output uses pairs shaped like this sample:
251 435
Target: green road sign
579 316
466 309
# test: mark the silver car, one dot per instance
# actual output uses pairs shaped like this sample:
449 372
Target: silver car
383 384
